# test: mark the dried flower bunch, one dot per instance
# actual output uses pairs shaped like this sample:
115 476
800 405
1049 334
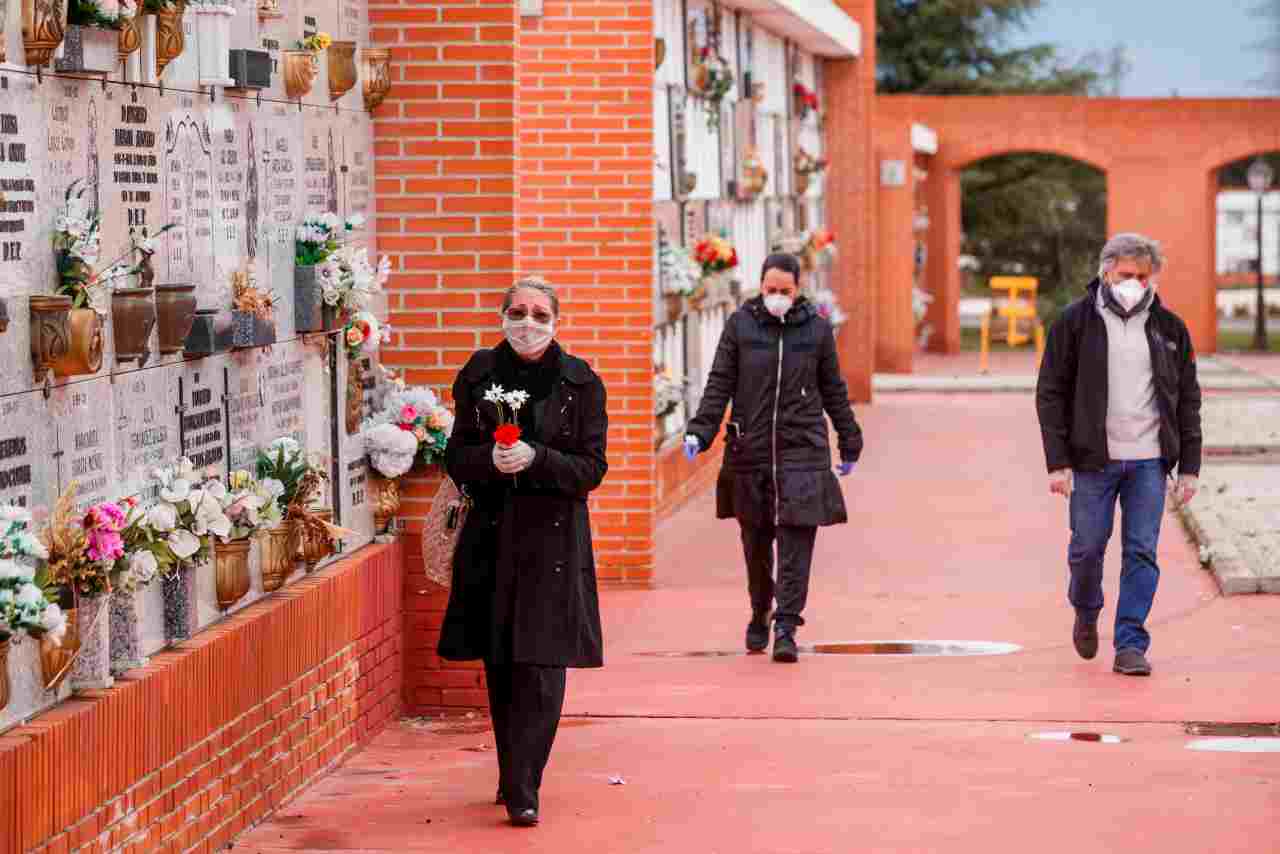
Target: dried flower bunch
67 536
248 297
316 43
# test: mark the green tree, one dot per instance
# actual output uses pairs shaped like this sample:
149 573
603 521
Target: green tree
1028 213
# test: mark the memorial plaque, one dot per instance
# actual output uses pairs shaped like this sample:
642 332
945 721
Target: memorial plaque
131 169
246 399
28 469
85 441
286 393
668 218
229 132
187 169
320 167
355 166
353 466
278 139
27 265
147 428
202 428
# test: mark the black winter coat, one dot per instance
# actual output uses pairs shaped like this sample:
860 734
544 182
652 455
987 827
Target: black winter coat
1071 393
781 377
524 576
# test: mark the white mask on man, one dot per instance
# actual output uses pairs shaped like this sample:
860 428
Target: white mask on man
527 336
778 305
1130 292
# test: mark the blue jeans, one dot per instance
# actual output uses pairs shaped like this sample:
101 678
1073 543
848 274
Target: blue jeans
1140 486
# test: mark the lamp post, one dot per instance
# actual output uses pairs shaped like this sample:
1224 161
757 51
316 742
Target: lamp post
1260 176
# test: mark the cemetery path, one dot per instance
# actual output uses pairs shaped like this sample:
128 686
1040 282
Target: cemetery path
953 538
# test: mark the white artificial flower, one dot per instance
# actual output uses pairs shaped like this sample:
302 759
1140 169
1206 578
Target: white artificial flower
271 487
144 566
288 444
162 517
355 220
517 399
14 513
31 546
217 489
183 544
211 520
391 450
6 596
29 595
495 394
54 622
177 490
10 570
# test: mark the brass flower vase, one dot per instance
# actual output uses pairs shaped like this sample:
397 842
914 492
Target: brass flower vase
377 75
386 502
342 68
674 304
44 22
802 183
277 557
313 545
133 316
175 312
231 568
64 340
5 690
130 38
170 41
300 70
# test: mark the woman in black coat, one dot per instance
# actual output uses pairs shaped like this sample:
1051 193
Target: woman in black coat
524 584
777 362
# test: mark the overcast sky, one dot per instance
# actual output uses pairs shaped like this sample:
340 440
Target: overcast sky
1198 48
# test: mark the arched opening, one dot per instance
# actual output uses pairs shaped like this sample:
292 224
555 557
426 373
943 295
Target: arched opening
1246 220
1032 214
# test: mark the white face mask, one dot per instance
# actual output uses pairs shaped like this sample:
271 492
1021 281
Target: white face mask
778 305
1129 292
528 337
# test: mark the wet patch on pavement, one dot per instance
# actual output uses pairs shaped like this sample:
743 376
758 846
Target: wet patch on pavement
1232 729
911 647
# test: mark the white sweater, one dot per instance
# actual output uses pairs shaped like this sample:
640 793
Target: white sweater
1133 418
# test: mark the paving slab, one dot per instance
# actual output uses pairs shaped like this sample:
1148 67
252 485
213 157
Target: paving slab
1241 426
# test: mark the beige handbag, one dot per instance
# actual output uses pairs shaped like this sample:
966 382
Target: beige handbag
440 533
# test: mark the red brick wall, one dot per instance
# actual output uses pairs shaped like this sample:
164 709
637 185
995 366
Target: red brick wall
215 734
585 215
446 193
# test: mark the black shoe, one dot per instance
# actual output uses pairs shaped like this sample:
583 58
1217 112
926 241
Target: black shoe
499 799
524 818
1085 635
1131 662
784 645
758 632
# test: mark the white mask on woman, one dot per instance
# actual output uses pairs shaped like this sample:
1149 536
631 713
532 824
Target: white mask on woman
528 337
778 305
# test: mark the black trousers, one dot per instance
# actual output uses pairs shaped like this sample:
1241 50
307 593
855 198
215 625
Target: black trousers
795 558
525 702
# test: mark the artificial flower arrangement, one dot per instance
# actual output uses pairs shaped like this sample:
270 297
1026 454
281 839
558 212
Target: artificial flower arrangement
679 272
412 426
349 281
807 164
827 305
25 607
285 463
83 548
811 247
319 235
252 505
715 254
754 176
315 43
176 531
806 100
247 297
363 334
712 81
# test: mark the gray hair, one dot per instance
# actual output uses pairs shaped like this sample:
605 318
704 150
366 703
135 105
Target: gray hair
1130 245
532 283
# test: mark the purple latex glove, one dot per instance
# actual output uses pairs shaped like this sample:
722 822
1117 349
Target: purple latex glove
844 469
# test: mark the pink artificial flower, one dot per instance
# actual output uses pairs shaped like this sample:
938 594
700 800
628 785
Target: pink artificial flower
408 414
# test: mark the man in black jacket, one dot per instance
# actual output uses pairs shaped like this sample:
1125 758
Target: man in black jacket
1119 408
777 361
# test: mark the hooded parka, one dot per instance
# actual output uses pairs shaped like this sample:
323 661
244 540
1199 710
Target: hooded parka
781 376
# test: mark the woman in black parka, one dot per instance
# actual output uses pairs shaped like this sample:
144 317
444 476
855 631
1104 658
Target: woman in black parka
524 583
777 362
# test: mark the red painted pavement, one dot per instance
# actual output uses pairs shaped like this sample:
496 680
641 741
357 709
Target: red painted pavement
954 537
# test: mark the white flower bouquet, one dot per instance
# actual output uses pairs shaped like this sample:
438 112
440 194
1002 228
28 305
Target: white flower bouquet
348 280
320 234
24 608
176 531
679 273
252 505
16 540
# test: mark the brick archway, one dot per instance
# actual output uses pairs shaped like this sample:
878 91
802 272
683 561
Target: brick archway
1161 158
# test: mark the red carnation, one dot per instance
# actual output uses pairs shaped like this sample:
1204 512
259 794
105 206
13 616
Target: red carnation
507 435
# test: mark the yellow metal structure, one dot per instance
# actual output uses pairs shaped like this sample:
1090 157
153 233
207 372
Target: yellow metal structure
1020 313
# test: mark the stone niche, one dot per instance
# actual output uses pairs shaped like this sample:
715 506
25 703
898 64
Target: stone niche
233 177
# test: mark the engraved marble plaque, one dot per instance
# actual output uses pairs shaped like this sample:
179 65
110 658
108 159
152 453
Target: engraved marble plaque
85 441
28 470
146 427
202 429
187 169
246 399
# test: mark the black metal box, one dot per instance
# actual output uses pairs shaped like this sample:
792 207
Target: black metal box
251 69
